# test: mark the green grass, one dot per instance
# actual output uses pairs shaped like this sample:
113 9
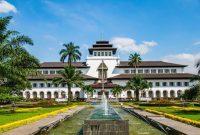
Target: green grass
193 115
7 117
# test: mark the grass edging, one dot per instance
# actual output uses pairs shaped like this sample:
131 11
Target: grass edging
171 116
19 123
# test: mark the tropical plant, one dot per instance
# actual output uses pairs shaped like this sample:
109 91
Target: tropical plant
134 60
16 63
137 84
198 66
71 53
88 89
70 76
117 90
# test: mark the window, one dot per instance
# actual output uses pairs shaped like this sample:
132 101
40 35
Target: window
160 71
157 84
140 71
167 70
153 71
98 53
146 71
95 53
52 71
133 71
171 83
48 84
34 85
173 70
45 72
164 83
41 85
109 53
106 53
63 85
186 83
102 53
126 71
179 83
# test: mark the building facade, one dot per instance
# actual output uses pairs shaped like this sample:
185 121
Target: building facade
103 68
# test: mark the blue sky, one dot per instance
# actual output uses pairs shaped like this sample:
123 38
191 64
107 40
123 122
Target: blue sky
166 30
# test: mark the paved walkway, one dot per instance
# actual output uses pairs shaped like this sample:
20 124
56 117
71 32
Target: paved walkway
184 128
35 126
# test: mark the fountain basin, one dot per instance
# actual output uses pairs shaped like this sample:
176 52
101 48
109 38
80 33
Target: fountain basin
101 124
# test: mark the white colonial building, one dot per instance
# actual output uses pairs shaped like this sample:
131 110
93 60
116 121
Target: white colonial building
168 79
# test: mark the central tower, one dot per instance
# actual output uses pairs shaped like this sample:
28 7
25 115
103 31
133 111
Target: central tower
102 54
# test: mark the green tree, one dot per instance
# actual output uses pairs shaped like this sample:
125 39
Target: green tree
16 63
134 60
117 90
137 84
88 89
71 53
70 76
198 66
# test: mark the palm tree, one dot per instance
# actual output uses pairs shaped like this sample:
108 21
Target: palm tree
16 63
88 89
198 67
71 52
134 60
117 90
70 76
137 84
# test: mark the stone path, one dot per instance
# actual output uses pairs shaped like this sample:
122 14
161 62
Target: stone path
35 126
184 128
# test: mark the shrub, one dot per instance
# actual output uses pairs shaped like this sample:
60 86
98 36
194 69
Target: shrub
7 99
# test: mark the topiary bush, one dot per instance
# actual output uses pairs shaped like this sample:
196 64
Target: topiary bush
7 99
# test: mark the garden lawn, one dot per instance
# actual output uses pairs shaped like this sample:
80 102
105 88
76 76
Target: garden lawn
7 117
193 115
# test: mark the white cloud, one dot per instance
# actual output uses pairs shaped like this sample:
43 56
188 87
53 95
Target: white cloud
186 59
6 7
128 45
197 43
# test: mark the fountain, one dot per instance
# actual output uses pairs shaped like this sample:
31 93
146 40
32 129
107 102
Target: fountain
104 120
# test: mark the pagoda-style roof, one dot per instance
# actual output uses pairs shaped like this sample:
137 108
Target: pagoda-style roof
143 64
154 76
102 45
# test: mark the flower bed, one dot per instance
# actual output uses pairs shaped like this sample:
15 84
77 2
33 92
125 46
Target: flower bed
15 124
174 117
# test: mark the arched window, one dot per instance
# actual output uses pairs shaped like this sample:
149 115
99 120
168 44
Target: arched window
165 94
49 95
172 94
102 69
143 94
34 94
158 94
129 94
27 95
63 94
150 94
77 94
55 94
41 94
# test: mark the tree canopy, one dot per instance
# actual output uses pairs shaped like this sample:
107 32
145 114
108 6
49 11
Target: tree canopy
16 63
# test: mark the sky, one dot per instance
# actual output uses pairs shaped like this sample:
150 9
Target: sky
167 30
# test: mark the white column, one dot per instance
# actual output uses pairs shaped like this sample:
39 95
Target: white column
31 94
161 93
